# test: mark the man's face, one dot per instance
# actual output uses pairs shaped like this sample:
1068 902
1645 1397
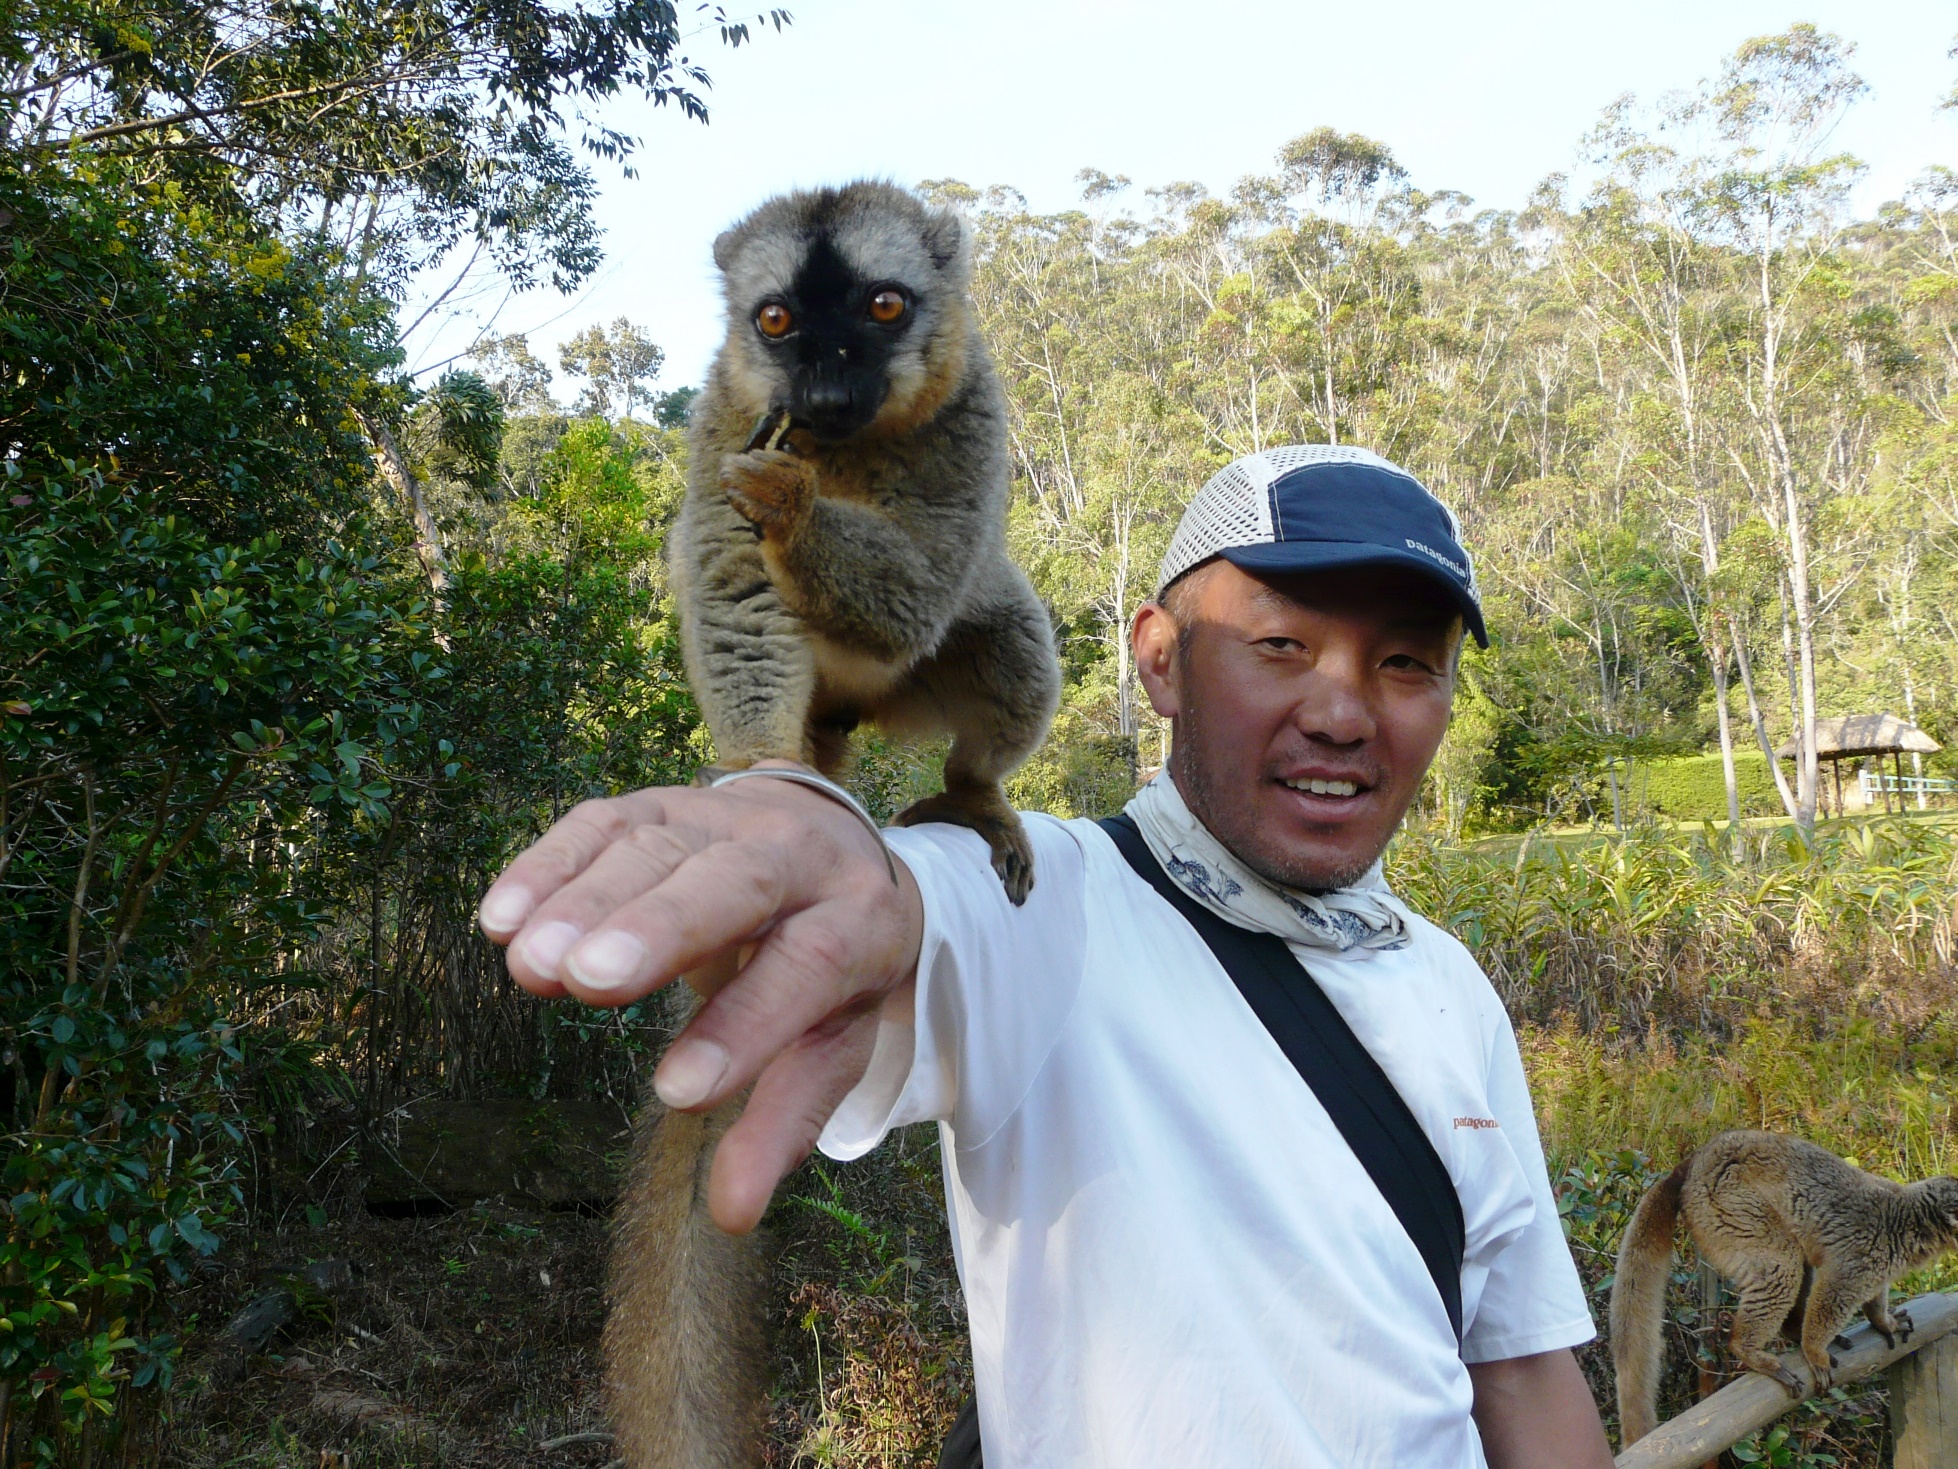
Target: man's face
1306 709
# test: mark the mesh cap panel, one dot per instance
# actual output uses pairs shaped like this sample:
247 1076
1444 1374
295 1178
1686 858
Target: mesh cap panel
1234 506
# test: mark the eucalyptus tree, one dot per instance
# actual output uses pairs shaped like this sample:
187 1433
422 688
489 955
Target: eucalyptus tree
1768 189
620 363
1656 291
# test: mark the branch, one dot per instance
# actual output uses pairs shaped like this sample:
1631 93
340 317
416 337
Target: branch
132 913
396 470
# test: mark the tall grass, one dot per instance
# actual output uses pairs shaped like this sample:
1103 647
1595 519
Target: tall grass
1690 934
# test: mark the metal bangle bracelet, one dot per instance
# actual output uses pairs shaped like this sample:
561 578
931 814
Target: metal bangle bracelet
829 788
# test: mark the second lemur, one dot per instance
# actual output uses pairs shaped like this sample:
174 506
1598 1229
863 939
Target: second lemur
1806 1238
840 557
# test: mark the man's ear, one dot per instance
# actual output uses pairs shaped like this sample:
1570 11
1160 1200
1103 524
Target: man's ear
1152 638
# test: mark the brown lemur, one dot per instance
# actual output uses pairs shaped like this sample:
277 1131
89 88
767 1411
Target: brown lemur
840 556
841 552
1806 1238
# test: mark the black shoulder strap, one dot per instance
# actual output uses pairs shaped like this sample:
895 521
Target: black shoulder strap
1343 1075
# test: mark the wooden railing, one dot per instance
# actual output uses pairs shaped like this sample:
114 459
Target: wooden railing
1923 1398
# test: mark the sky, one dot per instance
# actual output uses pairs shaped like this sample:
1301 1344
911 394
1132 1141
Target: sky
1480 97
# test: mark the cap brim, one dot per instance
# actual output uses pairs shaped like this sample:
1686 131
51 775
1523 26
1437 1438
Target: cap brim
1283 556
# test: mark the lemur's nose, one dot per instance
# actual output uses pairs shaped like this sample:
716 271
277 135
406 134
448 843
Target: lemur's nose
827 396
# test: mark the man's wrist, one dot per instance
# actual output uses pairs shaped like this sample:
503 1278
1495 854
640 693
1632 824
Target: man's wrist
814 780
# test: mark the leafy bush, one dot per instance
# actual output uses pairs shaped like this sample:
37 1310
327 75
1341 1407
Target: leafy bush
1694 787
194 666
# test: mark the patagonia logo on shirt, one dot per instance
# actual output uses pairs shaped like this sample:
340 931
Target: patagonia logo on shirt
1477 1123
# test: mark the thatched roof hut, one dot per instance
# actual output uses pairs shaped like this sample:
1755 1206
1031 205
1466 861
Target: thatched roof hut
1853 736
1848 736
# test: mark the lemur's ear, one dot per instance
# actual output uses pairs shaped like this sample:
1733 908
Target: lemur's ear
944 236
724 247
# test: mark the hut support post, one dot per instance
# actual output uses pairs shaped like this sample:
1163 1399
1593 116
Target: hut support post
1835 767
1924 1407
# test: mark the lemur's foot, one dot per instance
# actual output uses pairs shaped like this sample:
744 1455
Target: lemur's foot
1769 1365
767 487
708 774
1841 1343
1905 1326
986 812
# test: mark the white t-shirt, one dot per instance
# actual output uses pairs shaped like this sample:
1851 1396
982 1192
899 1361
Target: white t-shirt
1170 1256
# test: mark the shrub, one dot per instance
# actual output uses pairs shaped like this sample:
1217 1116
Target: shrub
1694 787
195 673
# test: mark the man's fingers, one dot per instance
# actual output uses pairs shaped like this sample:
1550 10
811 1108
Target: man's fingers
675 920
612 902
558 856
815 965
792 1100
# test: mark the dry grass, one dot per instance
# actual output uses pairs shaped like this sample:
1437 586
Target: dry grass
467 1340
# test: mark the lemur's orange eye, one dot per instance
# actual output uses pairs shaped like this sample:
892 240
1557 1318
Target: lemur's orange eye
774 320
887 306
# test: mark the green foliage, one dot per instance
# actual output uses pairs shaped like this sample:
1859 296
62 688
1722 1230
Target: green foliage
461 428
194 664
247 768
454 116
1694 788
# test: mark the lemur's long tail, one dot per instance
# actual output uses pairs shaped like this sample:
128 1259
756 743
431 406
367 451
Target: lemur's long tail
1638 1302
686 1342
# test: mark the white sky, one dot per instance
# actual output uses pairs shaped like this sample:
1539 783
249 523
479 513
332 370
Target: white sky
1481 97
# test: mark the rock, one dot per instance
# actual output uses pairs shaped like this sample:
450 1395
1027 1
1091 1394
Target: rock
553 1154
246 1334
299 1291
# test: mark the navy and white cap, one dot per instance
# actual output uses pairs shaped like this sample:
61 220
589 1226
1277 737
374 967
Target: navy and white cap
1316 507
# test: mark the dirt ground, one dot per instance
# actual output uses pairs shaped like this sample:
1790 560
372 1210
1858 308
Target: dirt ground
469 1340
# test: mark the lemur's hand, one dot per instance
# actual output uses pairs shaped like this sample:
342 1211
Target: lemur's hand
768 487
625 895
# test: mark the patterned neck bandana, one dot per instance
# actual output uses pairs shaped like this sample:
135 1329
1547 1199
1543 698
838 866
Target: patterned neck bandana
1363 916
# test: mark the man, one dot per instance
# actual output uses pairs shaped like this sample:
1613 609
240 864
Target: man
1171 1255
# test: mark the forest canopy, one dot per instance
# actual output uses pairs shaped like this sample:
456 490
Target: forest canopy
1695 416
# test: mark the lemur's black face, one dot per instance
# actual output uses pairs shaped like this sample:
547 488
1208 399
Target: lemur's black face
832 334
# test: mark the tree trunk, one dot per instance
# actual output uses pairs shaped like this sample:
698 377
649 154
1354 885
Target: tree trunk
1805 642
396 470
1910 713
1761 726
1718 658
1807 777
1716 653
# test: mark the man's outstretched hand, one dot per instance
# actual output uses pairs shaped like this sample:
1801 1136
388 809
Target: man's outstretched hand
628 894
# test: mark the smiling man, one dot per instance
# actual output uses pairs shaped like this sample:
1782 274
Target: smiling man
1239 1154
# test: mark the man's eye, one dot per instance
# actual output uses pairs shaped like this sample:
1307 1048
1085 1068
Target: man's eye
1283 645
1407 662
